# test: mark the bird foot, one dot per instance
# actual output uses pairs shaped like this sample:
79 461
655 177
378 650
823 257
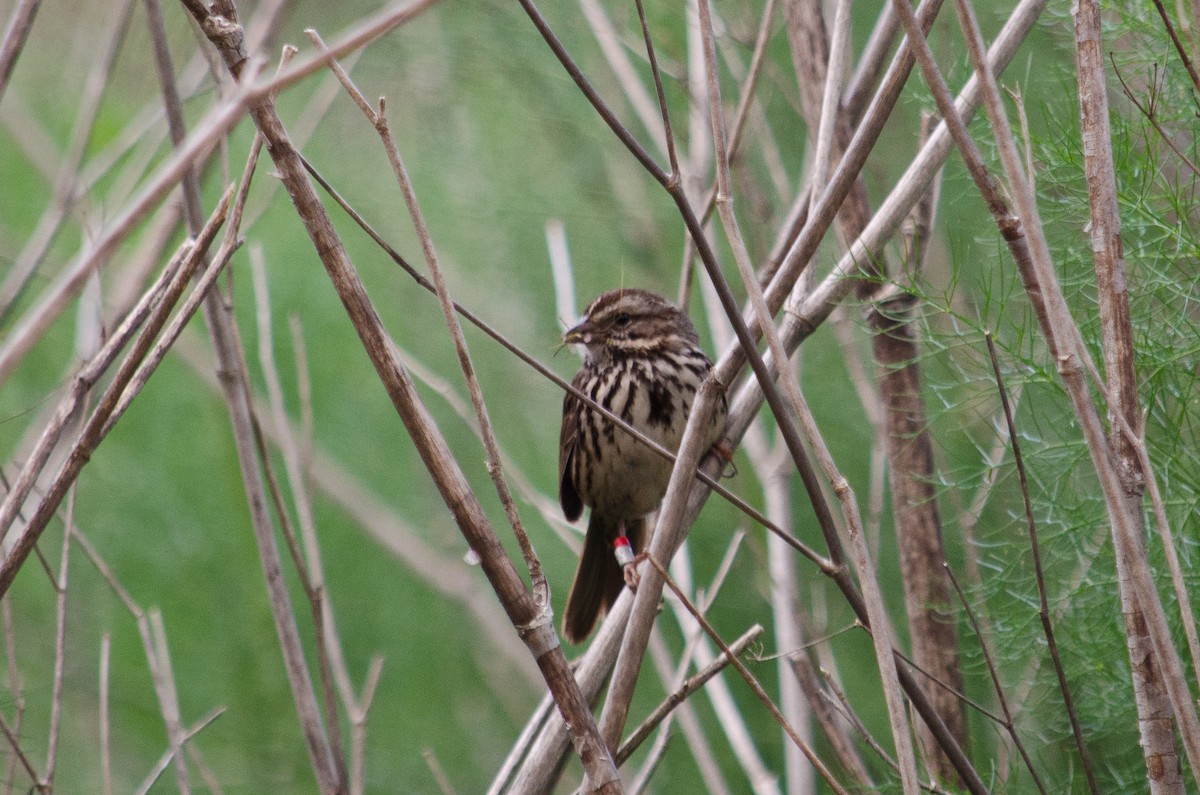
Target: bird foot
632 576
722 450
628 561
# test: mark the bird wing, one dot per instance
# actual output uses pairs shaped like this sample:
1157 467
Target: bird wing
568 441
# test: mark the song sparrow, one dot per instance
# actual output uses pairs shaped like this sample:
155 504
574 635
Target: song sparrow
644 364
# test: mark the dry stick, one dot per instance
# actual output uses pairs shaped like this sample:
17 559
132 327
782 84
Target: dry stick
325 634
1117 334
168 698
997 685
830 721
708 479
741 739
1043 600
681 694
14 742
838 45
104 717
87 376
745 102
358 712
805 317
218 122
701 748
870 65
60 648
1179 48
328 766
882 633
755 687
911 473
917 519
164 760
66 180
1147 110
439 774
532 727
331 658
672 157
1033 258
15 34
82 446
154 646
525 613
16 692
627 78
817 306
770 471
537 576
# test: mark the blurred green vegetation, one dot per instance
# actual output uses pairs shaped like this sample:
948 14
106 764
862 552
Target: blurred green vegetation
498 140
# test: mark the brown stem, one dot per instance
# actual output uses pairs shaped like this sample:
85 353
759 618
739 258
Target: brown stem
531 619
1043 600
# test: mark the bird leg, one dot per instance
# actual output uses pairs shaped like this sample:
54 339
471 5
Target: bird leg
627 560
723 451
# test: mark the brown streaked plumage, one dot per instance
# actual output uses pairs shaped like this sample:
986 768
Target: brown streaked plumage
644 363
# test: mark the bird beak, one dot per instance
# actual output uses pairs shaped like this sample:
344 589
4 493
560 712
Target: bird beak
578 334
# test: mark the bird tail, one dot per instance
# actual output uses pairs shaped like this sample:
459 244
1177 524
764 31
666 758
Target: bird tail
599 578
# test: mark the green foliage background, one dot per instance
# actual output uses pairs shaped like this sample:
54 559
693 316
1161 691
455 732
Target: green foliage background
498 140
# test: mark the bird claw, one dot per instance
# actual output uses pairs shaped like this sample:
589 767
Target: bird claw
632 576
724 451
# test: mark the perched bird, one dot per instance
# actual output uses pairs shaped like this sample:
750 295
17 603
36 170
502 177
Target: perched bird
643 363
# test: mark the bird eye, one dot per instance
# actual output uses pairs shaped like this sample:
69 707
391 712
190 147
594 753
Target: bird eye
623 320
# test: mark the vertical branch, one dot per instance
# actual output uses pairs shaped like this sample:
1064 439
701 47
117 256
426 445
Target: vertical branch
168 698
527 615
60 650
881 634
380 122
1150 694
1026 240
221 324
104 717
775 478
1043 601
753 682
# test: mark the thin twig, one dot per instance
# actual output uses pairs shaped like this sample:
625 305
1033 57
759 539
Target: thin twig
755 687
379 120
1179 48
164 760
104 716
882 633
60 647
168 699
15 35
1147 110
997 685
20 755
678 696
1039 575
93 431
525 613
